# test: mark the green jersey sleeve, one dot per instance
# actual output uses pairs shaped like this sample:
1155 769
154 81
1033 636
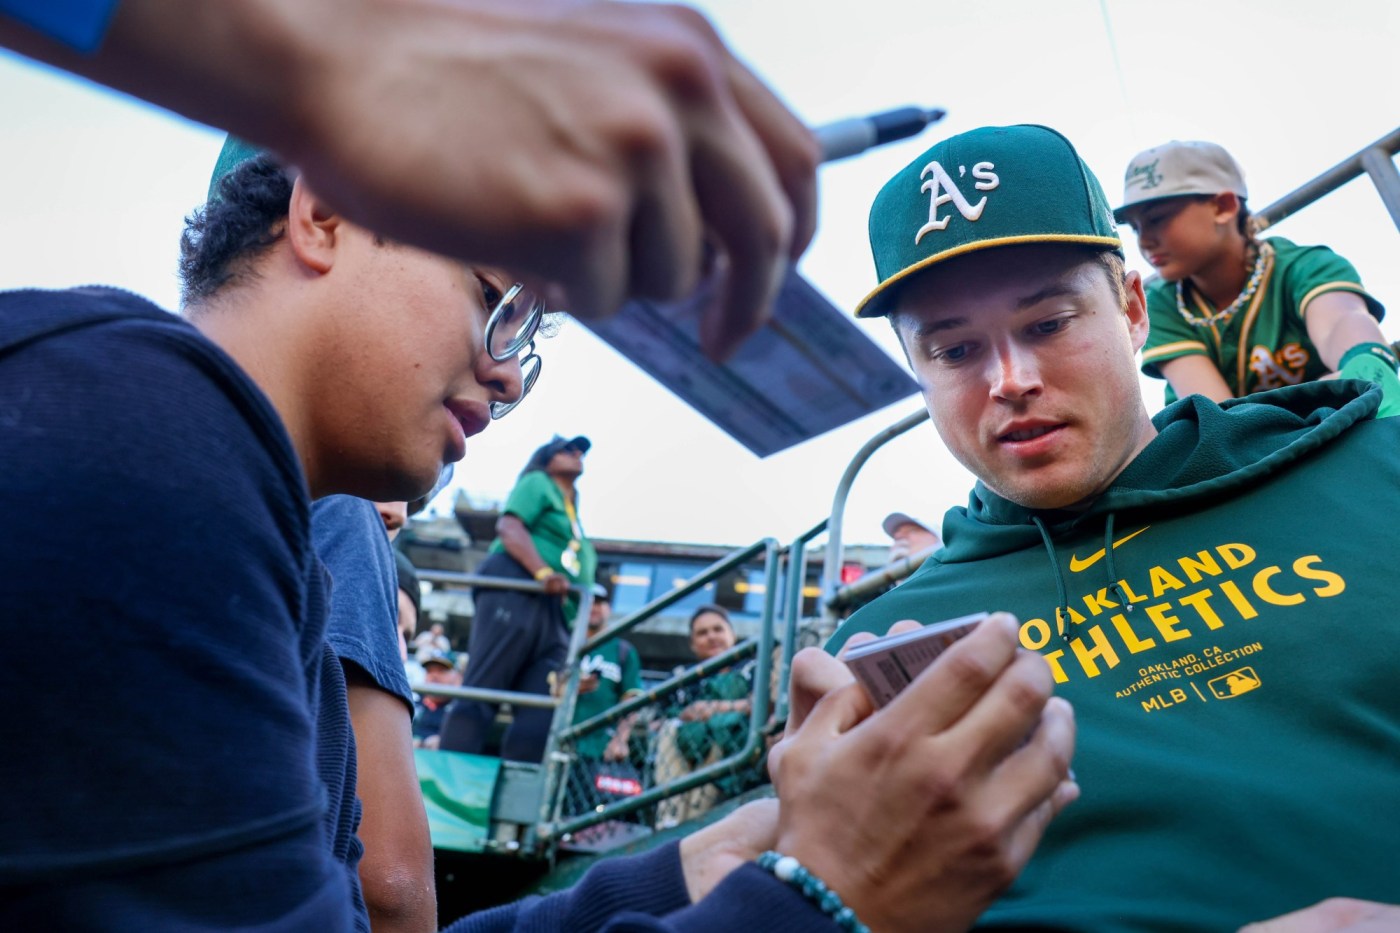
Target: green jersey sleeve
1316 270
1170 336
631 673
529 499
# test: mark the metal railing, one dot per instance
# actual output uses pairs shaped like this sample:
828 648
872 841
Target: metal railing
1374 160
564 733
479 581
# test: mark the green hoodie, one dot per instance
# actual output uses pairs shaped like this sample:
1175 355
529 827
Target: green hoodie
1231 653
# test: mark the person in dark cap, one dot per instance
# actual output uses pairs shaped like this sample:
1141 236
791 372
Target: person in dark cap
518 639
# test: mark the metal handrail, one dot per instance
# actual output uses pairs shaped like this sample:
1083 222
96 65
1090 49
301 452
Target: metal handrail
758 715
480 581
796 579
831 568
708 575
880 579
719 662
1374 160
538 700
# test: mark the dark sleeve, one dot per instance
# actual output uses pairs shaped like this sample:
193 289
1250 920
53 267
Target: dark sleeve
348 534
77 23
162 766
646 894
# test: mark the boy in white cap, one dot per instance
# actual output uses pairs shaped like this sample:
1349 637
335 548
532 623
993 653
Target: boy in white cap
1232 315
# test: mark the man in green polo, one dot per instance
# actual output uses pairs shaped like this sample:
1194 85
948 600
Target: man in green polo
1210 586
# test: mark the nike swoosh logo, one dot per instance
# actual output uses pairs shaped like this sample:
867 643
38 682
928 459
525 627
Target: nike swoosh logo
1076 565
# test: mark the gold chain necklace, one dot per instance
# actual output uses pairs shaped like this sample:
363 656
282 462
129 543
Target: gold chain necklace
1224 314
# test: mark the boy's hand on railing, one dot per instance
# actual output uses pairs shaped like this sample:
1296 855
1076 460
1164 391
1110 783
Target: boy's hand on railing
919 814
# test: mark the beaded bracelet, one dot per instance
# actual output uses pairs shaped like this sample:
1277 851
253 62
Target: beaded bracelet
790 871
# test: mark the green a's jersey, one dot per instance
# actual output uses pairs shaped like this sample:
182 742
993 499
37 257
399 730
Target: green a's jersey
539 504
1230 642
619 673
1264 345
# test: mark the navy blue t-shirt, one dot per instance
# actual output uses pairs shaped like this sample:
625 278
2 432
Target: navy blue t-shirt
186 758
161 769
349 536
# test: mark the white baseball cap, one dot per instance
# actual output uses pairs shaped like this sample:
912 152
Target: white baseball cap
1179 168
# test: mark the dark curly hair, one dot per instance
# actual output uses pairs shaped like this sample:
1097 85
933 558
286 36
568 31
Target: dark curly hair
246 216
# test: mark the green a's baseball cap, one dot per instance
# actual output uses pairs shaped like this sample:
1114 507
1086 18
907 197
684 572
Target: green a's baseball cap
989 187
234 153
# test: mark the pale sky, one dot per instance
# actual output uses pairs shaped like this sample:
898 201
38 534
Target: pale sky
93 188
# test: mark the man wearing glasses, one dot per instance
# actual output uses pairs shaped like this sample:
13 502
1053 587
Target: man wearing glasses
319 359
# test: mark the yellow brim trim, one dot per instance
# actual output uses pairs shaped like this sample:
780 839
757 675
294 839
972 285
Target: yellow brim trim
884 287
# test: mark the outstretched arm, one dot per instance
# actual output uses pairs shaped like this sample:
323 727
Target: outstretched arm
587 145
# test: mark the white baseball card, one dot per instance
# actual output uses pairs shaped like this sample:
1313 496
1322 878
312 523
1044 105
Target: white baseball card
887 665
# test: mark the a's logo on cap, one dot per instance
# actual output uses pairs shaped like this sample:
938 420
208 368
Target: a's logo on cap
942 189
1144 176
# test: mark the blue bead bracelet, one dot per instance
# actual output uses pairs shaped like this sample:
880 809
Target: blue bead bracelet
790 871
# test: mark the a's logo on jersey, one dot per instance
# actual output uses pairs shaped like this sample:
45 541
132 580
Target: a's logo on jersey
1274 370
1237 682
1143 176
942 189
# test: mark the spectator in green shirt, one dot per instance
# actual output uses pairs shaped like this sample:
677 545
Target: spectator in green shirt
518 639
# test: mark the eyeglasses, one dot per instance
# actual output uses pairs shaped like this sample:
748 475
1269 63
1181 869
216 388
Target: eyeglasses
510 329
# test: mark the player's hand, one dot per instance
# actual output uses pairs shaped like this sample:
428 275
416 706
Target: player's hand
590 145
556 584
919 814
1334 915
814 674
587 684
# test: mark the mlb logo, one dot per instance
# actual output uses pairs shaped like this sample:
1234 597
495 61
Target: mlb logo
1237 682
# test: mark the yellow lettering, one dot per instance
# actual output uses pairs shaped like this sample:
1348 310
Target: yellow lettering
1102 649
1178 695
1236 555
1161 616
1053 659
1128 592
1035 634
1130 638
1163 581
1242 606
1098 602
1150 705
1264 591
1335 584
1202 562
1199 602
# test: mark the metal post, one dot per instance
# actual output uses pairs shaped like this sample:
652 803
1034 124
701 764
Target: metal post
750 753
1379 165
831 569
797 579
1329 181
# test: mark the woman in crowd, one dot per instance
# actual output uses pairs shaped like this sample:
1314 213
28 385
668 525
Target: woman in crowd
518 638
709 721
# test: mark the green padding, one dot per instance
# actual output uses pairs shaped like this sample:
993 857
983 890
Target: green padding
457 791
